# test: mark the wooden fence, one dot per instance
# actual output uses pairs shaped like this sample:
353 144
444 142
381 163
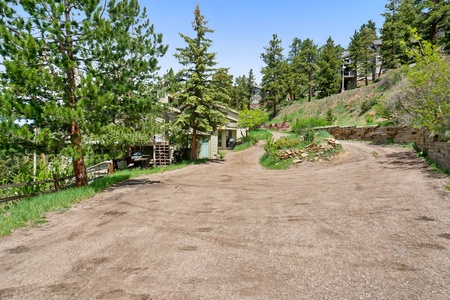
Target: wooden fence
94 172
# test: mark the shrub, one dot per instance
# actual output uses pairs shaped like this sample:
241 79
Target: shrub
331 118
369 119
309 135
368 104
286 143
303 123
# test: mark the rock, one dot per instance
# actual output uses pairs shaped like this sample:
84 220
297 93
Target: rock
311 146
304 155
297 161
332 142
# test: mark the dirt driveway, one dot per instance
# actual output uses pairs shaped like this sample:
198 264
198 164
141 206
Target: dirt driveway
373 224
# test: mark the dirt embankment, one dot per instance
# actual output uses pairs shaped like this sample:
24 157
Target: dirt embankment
374 224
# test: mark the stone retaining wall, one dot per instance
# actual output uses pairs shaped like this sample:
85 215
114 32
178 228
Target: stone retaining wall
284 126
438 152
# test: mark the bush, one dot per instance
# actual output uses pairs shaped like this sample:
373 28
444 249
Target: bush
369 119
367 105
331 118
303 123
309 135
286 143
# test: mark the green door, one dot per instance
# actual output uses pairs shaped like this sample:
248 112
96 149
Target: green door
205 148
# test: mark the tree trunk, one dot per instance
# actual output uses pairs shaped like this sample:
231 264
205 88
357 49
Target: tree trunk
309 87
274 108
75 130
379 72
194 144
78 160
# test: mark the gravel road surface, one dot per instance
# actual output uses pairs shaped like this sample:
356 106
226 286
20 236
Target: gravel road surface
371 224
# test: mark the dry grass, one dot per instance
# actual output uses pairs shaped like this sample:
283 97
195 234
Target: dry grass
346 107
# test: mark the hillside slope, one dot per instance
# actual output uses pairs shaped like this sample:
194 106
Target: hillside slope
353 107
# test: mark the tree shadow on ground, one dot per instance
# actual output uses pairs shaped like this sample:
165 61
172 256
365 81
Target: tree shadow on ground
136 182
408 160
216 161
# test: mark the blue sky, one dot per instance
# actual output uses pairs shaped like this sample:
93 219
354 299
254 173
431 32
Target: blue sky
244 27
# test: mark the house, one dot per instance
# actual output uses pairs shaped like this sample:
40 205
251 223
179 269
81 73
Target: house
348 73
255 97
210 143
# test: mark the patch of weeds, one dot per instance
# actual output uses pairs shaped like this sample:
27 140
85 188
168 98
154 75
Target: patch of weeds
374 154
386 123
369 119
368 104
272 163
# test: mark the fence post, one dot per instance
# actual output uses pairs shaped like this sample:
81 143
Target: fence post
56 182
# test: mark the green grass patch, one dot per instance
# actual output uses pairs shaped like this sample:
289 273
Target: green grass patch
253 137
32 211
272 163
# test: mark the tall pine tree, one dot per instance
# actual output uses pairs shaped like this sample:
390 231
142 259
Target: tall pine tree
329 63
73 69
295 82
305 63
399 16
273 80
196 100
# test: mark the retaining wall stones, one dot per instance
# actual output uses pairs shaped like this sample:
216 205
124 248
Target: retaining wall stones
284 126
438 152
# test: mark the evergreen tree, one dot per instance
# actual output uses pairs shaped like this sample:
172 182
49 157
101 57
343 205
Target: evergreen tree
368 51
399 16
305 64
222 83
273 88
197 99
73 69
250 84
434 17
295 80
362 51
329 63
355 49
241 93
294 50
